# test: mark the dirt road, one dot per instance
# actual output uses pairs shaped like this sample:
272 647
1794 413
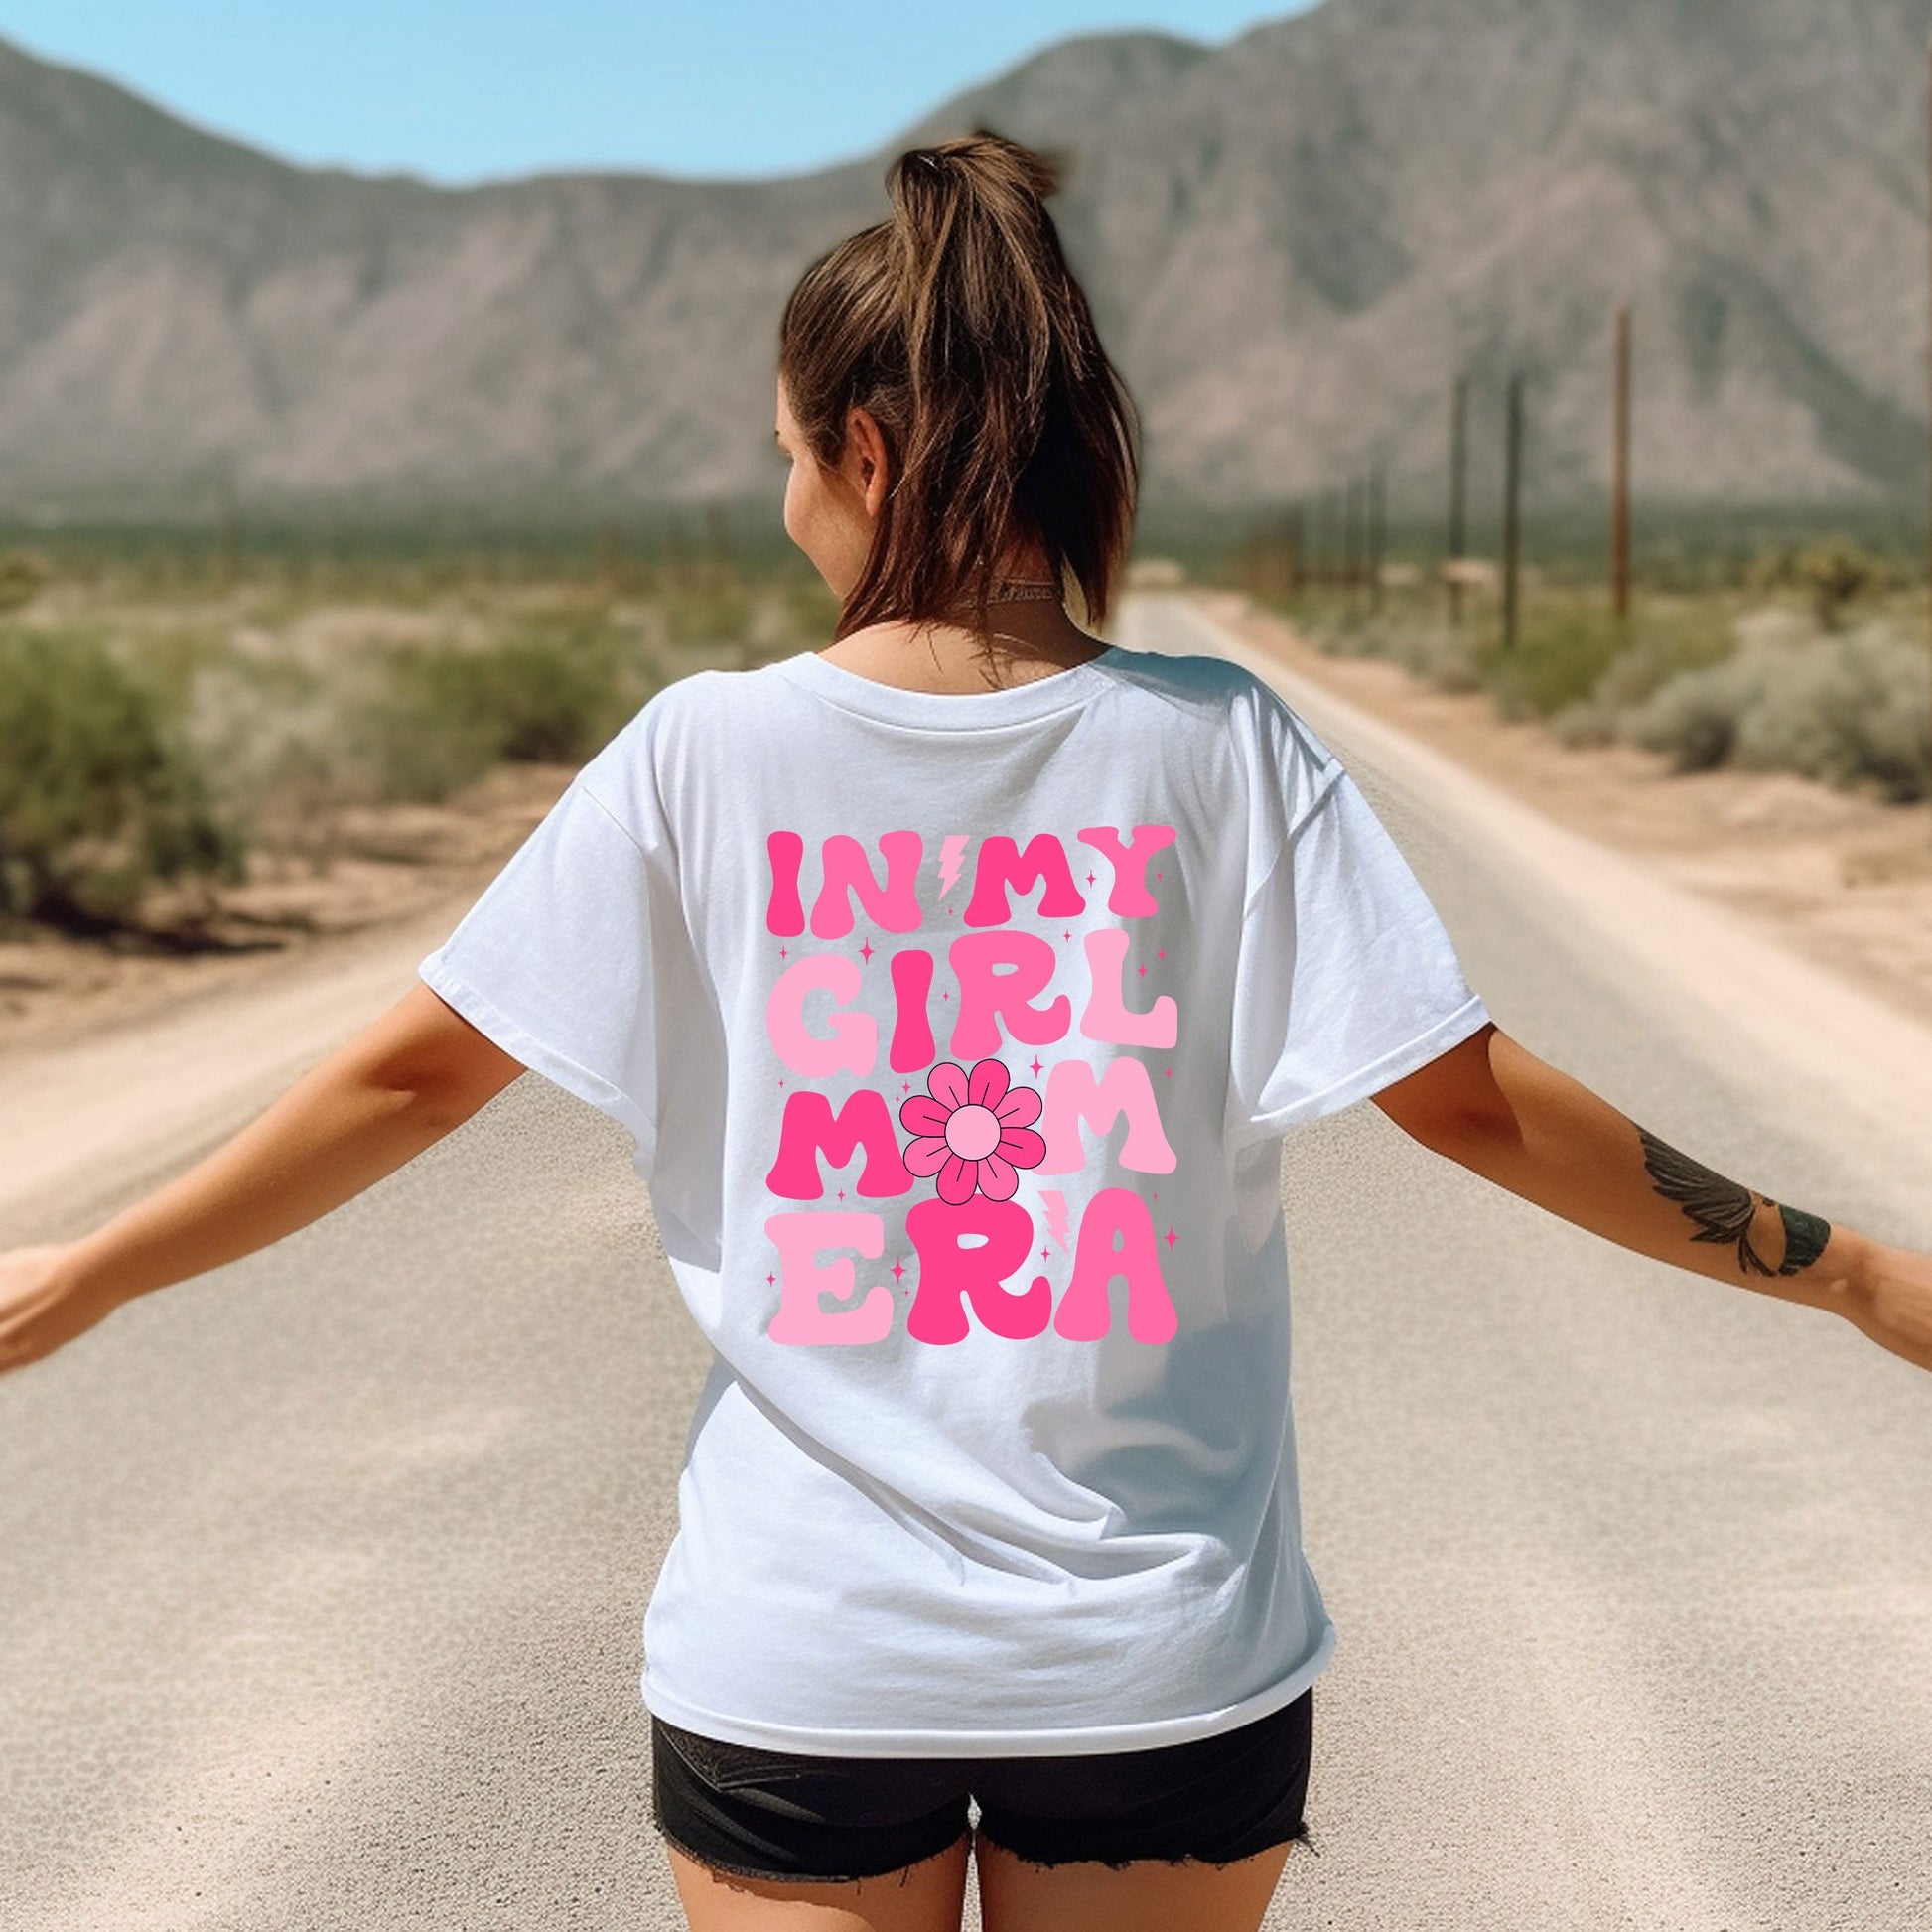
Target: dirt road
323 1573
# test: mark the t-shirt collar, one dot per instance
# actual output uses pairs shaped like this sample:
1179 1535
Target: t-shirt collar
949 710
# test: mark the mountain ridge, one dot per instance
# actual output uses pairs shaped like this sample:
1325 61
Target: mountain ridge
1294 240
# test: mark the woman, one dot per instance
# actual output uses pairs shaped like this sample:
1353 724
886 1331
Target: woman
957 984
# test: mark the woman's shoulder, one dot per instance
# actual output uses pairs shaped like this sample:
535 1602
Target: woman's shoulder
1230 697
1191 681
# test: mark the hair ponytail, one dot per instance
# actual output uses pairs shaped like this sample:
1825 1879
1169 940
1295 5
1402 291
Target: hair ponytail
958 326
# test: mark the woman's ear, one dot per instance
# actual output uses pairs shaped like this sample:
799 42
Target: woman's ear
866 462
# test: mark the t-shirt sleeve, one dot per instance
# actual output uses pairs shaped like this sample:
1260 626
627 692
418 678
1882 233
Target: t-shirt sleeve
1347 978
555 961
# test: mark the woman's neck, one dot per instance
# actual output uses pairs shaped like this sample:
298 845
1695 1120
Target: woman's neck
1033 639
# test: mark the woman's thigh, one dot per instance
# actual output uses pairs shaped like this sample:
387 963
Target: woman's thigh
1148 1895
926 1898
1189 1836
777 1842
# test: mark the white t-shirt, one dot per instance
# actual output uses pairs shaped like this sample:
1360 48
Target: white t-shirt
957 1035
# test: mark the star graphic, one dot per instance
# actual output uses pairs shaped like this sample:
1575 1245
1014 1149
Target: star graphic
1171 1238
1089 879
1162 954
1066 936
898 1268
1042 1254
772 1278
783 954
1167 1072
866 952
841 1193
1142 970
1034 1063
1158 875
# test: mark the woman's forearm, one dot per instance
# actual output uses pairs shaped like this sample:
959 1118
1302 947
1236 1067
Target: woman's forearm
393 1090
1533 1129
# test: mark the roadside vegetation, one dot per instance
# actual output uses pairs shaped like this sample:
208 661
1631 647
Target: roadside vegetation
1811 659
168 726
177 722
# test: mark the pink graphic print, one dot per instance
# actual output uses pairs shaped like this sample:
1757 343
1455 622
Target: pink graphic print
973 1131
1034 958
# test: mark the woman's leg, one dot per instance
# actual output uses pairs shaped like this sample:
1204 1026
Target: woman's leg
1149 1896
766 1840
1185 1837
927 1897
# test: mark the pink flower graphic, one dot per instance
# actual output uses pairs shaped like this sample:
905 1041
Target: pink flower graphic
973 1133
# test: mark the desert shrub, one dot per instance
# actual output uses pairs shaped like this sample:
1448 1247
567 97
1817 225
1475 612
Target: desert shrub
272 728
1834 575
445 716
1421 641
1849 710
1663 641
1558 659
99 796
1772 570
1583 722
1693 718
1444 656
22 576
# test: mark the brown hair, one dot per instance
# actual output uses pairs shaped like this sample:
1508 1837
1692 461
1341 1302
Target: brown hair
958 326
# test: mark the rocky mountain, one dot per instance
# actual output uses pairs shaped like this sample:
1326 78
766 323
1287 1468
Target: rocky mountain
1292 240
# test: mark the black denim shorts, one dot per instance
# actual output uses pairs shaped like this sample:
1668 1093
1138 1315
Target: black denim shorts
776 1815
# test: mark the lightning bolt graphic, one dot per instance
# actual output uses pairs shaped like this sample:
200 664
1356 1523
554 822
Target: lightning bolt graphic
952 848
1055 1215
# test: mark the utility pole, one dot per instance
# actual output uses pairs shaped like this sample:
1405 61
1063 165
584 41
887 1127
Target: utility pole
1351 539
227 528
1620 473
1377 535
1512 514
1458 493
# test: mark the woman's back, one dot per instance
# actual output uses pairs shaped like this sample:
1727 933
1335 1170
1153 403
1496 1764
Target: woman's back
951 1028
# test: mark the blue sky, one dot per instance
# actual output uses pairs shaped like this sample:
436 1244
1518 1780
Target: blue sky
461 94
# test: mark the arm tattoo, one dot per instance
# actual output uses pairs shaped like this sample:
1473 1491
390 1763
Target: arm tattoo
1725 1211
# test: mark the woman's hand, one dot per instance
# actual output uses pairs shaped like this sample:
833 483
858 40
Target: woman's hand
1892 1301
42 1305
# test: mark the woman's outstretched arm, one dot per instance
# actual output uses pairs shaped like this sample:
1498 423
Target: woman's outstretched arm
1491 1105
398 1086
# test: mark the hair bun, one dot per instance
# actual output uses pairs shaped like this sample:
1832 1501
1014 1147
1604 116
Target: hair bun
983 162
